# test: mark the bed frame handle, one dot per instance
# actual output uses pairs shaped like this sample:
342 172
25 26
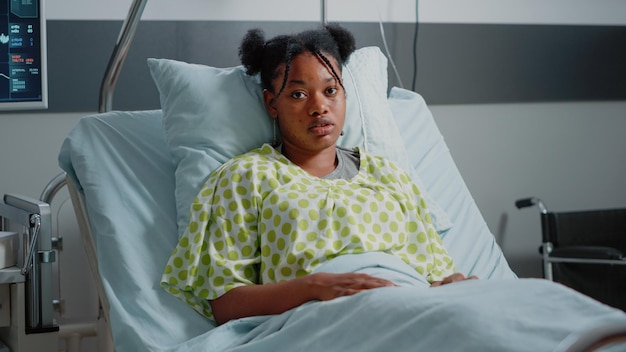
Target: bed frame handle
118 56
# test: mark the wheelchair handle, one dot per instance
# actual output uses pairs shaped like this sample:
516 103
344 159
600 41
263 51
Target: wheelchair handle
529 202
524 203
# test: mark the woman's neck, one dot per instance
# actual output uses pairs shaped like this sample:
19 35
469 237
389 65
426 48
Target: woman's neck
318 164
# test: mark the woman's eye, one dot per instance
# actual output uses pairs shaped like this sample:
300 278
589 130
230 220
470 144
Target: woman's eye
332 90
297 95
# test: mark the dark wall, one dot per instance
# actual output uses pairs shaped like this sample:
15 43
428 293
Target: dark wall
456 63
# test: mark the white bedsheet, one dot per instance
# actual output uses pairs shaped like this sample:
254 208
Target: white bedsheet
476 315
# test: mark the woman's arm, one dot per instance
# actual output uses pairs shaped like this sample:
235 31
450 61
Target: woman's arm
276 298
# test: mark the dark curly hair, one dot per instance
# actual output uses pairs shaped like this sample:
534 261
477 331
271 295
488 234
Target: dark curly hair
264 57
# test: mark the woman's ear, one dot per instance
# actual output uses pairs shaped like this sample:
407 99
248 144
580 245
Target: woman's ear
270 103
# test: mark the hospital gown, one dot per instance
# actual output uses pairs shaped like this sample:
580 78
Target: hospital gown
259 218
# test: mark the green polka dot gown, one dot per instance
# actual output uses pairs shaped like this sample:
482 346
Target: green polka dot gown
259 218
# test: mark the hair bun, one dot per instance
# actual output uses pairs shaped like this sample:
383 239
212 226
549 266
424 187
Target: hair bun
344 39
251 51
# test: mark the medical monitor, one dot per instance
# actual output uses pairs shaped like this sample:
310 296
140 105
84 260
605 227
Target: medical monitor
23 66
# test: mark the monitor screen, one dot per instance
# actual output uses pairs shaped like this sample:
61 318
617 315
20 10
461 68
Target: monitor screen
23 70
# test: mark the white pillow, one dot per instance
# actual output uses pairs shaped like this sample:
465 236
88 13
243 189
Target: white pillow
213 114
470 241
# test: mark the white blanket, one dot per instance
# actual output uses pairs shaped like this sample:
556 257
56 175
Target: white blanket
475 315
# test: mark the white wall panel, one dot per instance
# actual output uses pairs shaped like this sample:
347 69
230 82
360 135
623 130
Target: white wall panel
237 10
86 9
581 12
234 10
371 10
586 12
241 10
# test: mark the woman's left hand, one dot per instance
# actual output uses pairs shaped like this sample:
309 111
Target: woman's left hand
453 278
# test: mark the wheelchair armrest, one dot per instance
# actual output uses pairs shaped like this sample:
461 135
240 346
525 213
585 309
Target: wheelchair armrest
587 252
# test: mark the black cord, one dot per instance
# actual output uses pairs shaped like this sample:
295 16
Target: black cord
415 46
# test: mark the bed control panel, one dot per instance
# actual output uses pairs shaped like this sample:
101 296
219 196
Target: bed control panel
26 258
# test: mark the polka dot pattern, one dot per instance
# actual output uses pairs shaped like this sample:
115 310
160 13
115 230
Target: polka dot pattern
259 218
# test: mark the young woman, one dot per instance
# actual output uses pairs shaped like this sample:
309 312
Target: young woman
265 221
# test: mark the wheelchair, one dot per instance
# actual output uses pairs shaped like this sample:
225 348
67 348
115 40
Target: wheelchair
584 250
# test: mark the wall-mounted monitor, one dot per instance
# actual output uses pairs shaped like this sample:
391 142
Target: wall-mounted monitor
23 61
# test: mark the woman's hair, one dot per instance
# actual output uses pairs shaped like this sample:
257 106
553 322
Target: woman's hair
264 57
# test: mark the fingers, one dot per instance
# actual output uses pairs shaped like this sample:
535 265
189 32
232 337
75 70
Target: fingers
365 281
360 282
329 286
453 278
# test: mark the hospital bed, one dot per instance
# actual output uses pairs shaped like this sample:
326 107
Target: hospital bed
132 175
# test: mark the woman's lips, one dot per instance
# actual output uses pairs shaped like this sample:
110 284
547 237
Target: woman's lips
322 127
322 130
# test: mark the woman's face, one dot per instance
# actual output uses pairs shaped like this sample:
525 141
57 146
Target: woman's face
311 109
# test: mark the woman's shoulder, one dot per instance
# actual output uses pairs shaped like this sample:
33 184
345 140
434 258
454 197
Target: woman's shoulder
264 154
264 160
377 162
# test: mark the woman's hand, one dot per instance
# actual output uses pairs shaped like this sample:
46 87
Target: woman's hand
453 278
276 298
325 286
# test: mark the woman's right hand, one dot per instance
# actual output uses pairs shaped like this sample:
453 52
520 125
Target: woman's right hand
275 298
327 286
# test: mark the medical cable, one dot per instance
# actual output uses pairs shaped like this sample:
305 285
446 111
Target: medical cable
415 45
393 65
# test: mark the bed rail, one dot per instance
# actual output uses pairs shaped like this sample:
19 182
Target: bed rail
114 67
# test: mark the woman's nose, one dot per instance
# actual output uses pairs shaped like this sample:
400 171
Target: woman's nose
318 105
